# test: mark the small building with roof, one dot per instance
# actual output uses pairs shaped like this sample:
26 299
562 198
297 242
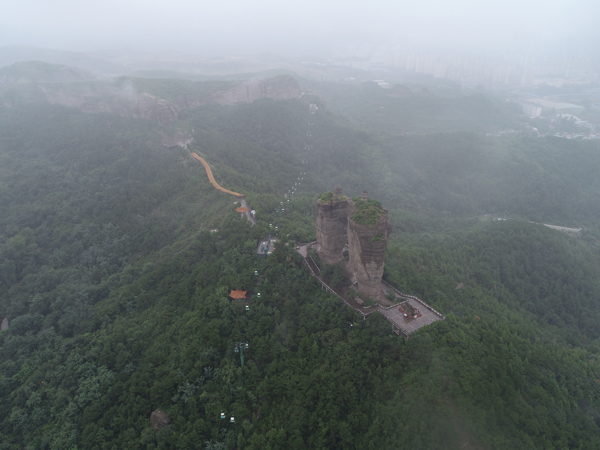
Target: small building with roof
237 294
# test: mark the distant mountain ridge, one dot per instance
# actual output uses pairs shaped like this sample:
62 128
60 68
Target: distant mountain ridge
11 54
41 72
157 100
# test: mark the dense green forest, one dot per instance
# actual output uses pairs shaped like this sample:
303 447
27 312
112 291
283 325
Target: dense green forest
417 110
116 285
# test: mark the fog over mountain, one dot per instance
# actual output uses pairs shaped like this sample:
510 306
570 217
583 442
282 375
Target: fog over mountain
308 27
300 225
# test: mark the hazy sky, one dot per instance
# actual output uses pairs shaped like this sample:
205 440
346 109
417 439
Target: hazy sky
307 26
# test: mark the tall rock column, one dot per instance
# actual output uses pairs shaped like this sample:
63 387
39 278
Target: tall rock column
368 233
332 225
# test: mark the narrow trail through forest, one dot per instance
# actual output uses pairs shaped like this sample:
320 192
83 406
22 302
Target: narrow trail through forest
212 178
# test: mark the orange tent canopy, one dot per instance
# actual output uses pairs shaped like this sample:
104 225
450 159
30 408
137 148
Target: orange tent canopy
237 293
242 209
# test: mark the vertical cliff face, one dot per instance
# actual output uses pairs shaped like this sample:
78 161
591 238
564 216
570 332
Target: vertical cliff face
332 225
368 234
35 82
364 225
279 88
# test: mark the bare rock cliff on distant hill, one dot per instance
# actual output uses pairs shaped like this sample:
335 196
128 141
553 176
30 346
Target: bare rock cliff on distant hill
123 97
279 88
139 106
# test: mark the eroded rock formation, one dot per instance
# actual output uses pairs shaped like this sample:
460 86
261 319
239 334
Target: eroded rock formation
332 225
361 223
118 100
124 98
158 419
366 245
278 88
178 140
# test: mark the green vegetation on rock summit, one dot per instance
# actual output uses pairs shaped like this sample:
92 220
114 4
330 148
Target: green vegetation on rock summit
368 211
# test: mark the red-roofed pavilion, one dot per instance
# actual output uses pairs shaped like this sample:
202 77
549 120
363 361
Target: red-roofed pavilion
237 293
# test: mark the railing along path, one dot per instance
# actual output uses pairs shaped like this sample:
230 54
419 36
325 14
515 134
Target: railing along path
313 268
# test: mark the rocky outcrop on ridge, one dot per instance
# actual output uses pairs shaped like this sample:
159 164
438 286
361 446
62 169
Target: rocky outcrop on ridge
114 100
127 102
178 140
279 88
363 225
123 97
158 419
3 323
332 225
366 246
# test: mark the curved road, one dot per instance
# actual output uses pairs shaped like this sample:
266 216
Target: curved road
211 178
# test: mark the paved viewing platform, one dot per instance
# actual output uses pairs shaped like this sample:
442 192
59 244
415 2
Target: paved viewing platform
401 325
408 325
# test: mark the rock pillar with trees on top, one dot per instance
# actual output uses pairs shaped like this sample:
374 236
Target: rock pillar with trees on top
368 234
332 225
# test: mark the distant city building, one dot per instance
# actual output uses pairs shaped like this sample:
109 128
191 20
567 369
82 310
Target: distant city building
382 83
548 107
498 70
531 109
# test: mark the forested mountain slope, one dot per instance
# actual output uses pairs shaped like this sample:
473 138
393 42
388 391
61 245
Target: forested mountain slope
117 292
415 111
540 179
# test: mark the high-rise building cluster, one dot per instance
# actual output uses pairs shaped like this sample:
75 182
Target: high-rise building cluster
498 69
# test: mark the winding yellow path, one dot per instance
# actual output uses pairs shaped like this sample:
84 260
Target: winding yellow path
212 178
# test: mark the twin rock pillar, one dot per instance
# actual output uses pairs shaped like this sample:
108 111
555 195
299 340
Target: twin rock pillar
366 243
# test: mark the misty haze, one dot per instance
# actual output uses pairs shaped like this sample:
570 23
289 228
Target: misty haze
300 225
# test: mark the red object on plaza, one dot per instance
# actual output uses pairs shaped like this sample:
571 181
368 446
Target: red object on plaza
409 311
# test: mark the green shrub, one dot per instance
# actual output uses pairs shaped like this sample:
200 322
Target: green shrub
369 211
326 197
368 302
391 296
378 237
